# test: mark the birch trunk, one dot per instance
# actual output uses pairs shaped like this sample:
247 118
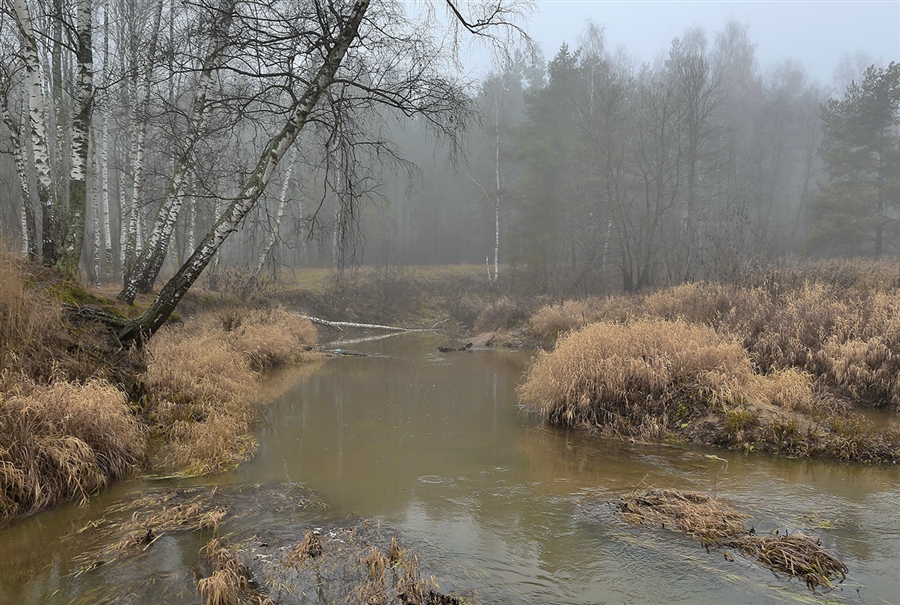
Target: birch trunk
279 213
81 124
20 152
149 262
140 122
175 289
38 132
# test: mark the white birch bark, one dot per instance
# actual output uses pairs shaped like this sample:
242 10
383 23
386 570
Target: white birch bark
279 213
148 264
36 111
496 190
104 153
81 124
175 289
29 246
96 274
140 122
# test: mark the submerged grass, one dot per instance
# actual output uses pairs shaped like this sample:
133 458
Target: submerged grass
714 523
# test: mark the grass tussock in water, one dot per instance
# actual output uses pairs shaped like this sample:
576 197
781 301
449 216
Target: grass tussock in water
202 378
715 523
63 441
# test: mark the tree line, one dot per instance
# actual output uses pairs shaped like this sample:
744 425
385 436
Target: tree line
188 134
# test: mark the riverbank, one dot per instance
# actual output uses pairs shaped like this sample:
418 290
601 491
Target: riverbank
786 357
77 411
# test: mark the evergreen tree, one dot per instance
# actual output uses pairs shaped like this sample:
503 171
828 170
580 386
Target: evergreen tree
859 209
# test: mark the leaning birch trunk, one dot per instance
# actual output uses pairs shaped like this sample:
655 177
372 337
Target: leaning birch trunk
149 262
273 235
37 128
175 289
81 125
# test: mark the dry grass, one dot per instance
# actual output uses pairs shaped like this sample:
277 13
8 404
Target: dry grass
62 442
230 581
837 321
203 379
713 522
637 379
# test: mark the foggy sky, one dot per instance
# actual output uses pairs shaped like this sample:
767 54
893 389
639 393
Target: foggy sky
815 34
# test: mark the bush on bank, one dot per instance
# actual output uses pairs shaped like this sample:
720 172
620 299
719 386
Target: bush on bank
66 426
837 321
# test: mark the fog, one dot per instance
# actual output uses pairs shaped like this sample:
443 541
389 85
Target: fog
629 145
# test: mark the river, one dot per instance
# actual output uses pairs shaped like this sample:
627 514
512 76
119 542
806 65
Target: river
434 444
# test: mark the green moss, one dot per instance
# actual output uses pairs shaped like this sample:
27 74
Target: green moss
740 420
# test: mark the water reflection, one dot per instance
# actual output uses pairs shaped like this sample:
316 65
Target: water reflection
435 444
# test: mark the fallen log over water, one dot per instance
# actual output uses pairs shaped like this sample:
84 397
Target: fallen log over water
340 325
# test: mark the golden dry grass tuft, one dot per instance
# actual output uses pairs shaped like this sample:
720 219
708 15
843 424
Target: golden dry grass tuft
839 321
63 441
638 378
271 337
203 377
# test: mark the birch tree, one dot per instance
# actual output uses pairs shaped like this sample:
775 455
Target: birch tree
360 59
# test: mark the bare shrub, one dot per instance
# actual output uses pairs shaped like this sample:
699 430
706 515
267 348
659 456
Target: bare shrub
62 442
550 321
503 314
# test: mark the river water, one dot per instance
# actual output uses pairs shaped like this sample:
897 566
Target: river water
434 444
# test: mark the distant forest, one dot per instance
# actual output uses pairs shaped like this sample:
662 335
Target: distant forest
131 126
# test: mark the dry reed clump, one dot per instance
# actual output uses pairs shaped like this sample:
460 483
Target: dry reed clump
200 403
270 337
202 380
549 321
714 523
638 378
230 582
61 442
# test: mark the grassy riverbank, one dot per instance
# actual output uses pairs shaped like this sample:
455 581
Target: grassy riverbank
776 363
77 411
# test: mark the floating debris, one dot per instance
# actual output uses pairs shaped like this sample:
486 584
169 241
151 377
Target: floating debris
715 523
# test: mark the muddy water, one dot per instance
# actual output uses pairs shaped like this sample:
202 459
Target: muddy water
434 444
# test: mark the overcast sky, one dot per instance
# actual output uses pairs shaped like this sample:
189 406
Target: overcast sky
814 33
